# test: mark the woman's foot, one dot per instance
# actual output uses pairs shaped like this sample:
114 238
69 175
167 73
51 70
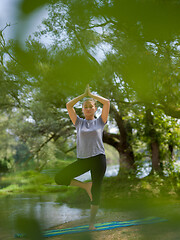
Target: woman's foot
85 185
88 187
92 227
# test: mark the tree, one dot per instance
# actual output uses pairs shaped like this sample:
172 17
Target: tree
7 143
138 59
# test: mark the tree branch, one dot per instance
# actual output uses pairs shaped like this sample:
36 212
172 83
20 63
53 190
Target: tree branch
7 25
110 139
168 109
97 25
69 150
3 44
84 48
118 119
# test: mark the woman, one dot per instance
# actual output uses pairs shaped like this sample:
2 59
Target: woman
90 149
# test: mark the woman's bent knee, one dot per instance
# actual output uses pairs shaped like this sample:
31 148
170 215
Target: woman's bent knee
61 180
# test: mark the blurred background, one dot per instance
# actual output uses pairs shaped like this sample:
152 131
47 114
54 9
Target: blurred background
128 52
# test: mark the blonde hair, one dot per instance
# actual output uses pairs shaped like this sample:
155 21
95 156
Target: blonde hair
89 100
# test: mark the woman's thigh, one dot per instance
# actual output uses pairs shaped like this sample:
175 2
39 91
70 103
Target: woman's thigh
77 168
97 174
99 168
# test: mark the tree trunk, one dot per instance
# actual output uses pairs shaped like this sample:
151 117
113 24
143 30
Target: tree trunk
171 150
154 143
127 162
126 159
127 165
156 167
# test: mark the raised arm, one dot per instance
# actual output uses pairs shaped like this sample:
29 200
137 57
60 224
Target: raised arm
104 101
70 107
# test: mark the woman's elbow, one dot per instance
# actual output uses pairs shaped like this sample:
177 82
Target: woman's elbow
108 103
67 105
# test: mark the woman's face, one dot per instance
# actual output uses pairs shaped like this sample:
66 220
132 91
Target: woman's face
89 109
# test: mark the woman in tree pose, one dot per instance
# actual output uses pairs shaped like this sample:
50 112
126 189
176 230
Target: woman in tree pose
90 149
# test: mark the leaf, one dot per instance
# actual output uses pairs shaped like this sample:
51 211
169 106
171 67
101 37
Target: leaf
28 6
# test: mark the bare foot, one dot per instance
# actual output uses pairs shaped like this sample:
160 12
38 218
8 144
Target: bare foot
92 227
88 187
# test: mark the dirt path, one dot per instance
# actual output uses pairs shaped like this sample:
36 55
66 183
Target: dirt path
156 231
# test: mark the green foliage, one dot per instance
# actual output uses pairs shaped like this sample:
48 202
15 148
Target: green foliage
141 55
22 153
29 226
7 144
112 155
147 190
32 181
29 181
126 50
27 6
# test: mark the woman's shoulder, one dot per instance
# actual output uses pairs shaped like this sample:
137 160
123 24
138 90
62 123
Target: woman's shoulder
79 120
99 119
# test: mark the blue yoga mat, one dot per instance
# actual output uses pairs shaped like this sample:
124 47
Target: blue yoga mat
99 227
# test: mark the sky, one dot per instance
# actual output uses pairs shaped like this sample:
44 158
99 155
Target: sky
20 30
9 13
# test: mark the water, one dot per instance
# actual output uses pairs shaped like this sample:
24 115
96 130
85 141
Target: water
45 208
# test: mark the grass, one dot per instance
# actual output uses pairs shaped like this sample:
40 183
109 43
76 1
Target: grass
26 181
31 181
113 187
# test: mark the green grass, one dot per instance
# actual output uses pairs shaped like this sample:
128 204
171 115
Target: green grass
114 189
31 181
25 181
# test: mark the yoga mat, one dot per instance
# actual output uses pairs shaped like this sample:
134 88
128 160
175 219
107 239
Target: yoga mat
99 227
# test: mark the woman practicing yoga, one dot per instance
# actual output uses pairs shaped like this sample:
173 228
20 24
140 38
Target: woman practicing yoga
90 149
